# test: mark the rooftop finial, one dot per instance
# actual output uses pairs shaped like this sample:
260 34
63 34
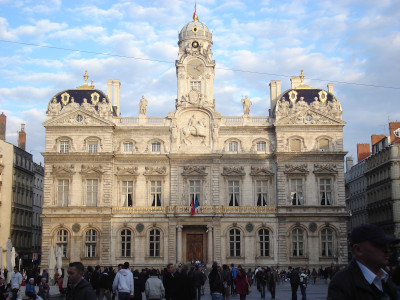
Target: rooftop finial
195 17
86 76
302 76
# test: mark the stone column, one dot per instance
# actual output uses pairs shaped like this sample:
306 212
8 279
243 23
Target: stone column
179 244
210 244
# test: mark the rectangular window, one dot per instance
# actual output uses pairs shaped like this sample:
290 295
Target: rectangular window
155 193
63 192
195 85
92 192
91 240
261 147
296 191
261 192
233 192
325 190
64 146
93 146
127 193
233 147
128 147
194 191
155 147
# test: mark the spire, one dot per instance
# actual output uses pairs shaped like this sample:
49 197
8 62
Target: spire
195 17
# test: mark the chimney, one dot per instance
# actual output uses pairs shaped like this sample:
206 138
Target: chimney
349 163
116 85
3 123
109 89
394 133
275 91
330 88
375 138
22 137
363 151
296 81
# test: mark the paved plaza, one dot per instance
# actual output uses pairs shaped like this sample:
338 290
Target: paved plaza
283 292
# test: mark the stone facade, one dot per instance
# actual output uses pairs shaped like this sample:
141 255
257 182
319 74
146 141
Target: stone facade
269 190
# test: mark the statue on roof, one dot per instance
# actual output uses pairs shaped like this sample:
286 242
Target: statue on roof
54 107
143 106
246 105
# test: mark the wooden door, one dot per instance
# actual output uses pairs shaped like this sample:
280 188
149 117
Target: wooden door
194 247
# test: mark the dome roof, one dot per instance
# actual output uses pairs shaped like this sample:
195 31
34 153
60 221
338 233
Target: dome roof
195 29
309 95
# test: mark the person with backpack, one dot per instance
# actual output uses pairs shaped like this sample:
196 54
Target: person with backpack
303 283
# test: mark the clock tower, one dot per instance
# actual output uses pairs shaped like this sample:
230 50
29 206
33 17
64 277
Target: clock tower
195 68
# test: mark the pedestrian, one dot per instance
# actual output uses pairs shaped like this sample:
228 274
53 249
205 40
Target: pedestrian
303 283
3 289
154 287
185 290
198 281
242 284
250 276
45 275
104 285
78 287
44 289
314 275
234 274
16 281
227 281
123 283
365 278
294 278
95 280
30 289
262 279
216 282
272 278
170 283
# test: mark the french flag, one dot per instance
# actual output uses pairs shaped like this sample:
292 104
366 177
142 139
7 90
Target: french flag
194 206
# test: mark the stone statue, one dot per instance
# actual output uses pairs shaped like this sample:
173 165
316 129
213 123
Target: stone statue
143 106
104 108
86 105
73 104
54 107
246 105
283 109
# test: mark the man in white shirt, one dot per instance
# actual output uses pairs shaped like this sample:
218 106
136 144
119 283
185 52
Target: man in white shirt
16 280
365 277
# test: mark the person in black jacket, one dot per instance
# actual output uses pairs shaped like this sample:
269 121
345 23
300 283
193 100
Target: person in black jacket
170 282
294 281
198 280
365 277
78 288
216 282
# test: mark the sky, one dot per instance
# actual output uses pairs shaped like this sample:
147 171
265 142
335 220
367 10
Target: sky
46 46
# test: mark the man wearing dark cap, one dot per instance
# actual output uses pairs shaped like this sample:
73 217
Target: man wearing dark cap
365 277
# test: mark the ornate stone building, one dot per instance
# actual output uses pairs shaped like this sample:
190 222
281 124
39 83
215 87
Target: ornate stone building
270 189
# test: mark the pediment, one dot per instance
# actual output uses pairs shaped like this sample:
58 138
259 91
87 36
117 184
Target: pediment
127 171
233 171
309 117
261 171
78 117
155 171
296 169
65 170
194 171
91 170
325 169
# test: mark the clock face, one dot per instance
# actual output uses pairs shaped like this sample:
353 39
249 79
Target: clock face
195 67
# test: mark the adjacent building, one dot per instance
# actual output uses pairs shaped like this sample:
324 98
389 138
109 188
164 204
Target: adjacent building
17 189
194 184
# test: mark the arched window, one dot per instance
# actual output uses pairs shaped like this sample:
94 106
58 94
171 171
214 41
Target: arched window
91 243
154 243
298 242
62 241
126 243
234 242
263 241
327 242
